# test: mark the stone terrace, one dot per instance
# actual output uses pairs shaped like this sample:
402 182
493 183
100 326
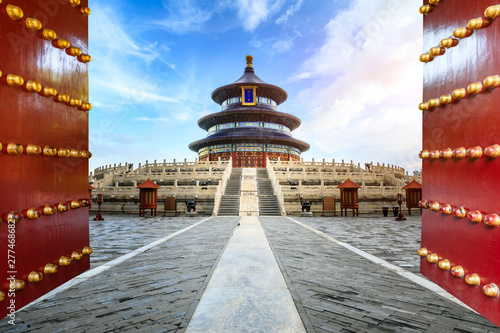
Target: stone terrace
334 289
205 181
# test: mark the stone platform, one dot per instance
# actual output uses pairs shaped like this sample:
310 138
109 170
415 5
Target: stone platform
342 275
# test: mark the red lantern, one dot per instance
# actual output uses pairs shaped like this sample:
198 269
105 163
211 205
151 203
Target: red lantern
399 199
100 200
349 197
148 197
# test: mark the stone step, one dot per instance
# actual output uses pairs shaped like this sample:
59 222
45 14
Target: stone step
268 204
230 201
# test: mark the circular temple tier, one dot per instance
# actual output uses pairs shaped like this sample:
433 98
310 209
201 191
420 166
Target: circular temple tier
249 128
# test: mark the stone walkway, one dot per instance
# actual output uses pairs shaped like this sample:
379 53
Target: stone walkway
247 291
157 288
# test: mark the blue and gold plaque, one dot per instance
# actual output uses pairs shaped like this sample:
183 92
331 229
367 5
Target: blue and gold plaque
248 95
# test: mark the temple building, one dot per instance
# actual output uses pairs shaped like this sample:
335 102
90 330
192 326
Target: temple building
249 164
249 128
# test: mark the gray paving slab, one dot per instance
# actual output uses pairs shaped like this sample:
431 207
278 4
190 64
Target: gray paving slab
153 290
120 233
393 241
341 291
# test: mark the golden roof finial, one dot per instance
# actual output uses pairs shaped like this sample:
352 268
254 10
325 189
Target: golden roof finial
249 60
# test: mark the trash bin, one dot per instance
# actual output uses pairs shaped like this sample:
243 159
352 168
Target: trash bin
306 206
395 210
385 210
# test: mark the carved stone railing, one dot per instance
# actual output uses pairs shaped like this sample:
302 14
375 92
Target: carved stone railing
221 188
333 171
276 187
131 192
320 191
182 171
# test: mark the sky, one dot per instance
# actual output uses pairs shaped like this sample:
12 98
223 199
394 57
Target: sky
350 69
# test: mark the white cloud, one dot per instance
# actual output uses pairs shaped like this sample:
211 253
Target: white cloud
135 94
253 12
273 45
301 76
108 35
184 17
152 119
184 115
289 12
281 46
118 72
365 84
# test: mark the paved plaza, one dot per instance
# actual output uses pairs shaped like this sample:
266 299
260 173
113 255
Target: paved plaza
174 274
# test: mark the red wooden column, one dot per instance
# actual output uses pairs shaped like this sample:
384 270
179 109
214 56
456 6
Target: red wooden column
349 197
148 192
460 151
44 98
413 195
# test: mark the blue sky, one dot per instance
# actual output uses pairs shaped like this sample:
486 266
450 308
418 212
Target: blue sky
350 68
